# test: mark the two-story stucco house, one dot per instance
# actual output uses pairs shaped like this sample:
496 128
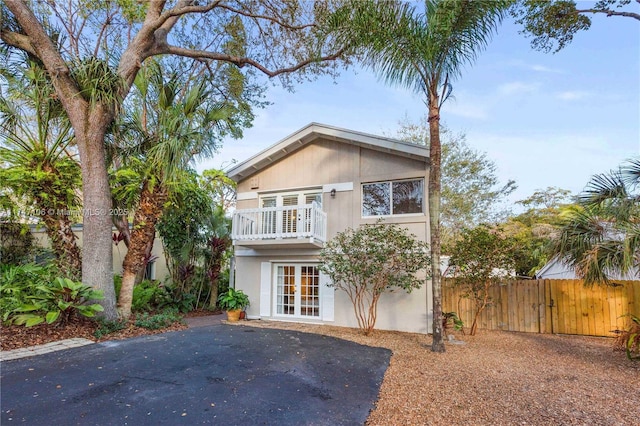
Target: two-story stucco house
299 193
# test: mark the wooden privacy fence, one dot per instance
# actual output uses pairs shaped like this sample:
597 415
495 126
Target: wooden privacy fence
550 306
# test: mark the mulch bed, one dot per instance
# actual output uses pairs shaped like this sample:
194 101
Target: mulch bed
15 337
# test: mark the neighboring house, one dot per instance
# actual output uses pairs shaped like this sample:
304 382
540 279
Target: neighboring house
555 269
302 191
156 269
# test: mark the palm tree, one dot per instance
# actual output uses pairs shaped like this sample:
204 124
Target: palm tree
600 236
425 51
173 122
38 162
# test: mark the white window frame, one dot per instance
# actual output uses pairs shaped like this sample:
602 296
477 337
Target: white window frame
391 213
279 196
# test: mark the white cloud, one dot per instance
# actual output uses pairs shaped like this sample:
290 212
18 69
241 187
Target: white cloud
542 68
573 95
467 108
536 67
517 88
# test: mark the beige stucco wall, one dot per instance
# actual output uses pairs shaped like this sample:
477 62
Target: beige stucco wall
321 164
119 252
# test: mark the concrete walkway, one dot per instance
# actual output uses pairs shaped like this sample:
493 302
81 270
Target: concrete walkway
44 349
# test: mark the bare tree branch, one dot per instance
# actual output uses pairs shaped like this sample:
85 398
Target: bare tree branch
610 12
242 61
40 45
267 18
19 41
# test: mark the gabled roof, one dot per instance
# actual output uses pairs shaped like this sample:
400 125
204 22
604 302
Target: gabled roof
314 131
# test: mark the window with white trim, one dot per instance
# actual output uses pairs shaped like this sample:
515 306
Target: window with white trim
393 198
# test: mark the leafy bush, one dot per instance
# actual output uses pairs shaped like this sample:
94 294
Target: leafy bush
371 260
108 327
150 296
58 301
629 340
233 299
19 283
158 321
449 319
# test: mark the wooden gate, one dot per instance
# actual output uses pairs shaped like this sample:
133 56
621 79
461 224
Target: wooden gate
551 306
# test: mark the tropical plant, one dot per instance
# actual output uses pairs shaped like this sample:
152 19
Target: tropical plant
196 237
371 260
20 282
630 339
59 301
482 257
233 300
173 122
39 167
600 236
95 66
424 50
451 319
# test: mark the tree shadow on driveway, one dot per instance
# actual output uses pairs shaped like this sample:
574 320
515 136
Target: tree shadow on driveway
215 374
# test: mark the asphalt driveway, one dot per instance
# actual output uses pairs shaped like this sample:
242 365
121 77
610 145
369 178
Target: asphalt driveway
207 375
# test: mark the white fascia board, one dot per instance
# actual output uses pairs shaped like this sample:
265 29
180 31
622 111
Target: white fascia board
246 196
339 187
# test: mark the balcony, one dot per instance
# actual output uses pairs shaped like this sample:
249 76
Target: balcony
280 227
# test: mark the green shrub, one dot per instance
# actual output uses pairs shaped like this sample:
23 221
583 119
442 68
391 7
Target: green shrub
107 327
59 301
233 299
158 321
19 283
629 339
151 296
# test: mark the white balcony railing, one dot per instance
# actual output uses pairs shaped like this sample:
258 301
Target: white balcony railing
308 221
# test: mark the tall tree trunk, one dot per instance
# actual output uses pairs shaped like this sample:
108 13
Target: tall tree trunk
144 229
97 246
435 152
90 121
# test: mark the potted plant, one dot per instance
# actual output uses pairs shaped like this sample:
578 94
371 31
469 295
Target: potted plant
234 302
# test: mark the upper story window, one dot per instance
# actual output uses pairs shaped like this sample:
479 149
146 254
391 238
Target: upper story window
291 199
393 197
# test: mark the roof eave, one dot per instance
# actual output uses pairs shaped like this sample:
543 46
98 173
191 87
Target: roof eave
315 131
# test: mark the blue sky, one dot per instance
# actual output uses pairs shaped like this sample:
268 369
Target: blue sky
544 119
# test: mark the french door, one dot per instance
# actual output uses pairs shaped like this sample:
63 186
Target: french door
297 290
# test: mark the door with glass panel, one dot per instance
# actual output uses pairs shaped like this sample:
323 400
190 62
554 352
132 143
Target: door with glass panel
287 219
297 291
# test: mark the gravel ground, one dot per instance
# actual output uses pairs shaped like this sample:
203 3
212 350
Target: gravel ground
499 378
